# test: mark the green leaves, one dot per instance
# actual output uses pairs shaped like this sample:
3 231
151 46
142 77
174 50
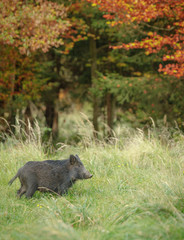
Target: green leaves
123 88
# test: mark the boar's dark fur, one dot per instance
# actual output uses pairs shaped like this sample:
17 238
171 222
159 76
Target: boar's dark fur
53 175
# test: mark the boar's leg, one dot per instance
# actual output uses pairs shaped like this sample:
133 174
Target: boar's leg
63 188
18 191
21 191
32 185
31 189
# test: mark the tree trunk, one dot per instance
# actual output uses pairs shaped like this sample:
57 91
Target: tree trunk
12 118
110 112
51 115
28 118
55 128
93 52
12 110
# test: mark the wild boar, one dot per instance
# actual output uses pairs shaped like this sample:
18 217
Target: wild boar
53 175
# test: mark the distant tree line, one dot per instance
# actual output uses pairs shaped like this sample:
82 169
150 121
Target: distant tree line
51 49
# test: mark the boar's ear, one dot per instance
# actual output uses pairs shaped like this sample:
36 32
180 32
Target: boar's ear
72 159
77 157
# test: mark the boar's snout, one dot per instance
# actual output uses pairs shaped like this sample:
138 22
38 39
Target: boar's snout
87 175
90 176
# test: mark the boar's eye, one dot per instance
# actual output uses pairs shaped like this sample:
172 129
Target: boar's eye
79 164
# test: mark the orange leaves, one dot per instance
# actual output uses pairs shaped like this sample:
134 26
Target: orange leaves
131 9
32 26
16 76
176 70
170 37
150 34
155 43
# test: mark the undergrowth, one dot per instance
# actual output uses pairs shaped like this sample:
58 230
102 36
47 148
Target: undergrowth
136 191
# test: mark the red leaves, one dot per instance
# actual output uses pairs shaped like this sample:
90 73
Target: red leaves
176 70
172 37
14 79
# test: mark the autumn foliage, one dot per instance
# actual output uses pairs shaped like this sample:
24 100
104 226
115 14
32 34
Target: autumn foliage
32 25
25 28
165 20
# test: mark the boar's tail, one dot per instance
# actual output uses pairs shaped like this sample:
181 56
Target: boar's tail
13 179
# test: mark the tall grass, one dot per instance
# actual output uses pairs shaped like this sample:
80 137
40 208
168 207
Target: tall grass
136 192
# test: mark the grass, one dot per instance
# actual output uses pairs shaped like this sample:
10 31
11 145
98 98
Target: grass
137 191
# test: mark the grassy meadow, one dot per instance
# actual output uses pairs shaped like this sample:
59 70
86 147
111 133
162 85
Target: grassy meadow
137 189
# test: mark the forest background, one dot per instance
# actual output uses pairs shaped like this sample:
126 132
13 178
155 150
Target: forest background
119 62
104 80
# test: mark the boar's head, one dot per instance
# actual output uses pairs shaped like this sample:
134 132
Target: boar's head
77 169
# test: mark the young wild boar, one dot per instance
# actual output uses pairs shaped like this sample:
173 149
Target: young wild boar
54 175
